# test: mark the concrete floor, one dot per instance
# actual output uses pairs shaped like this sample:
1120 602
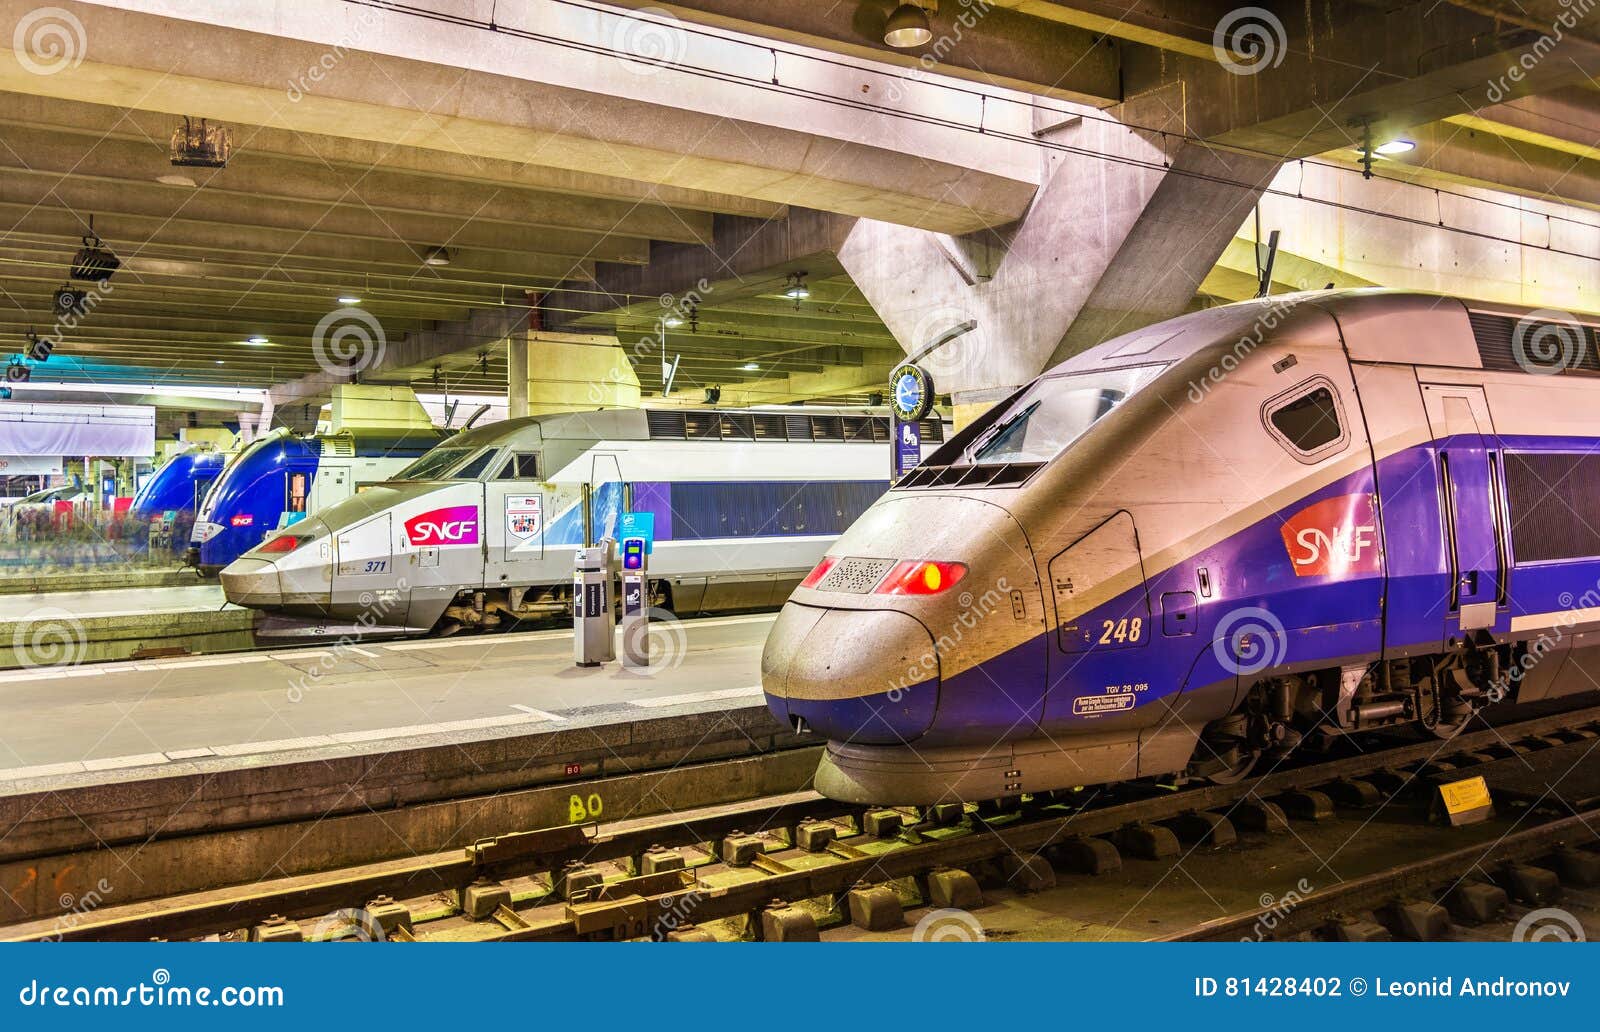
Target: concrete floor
188 598
112 716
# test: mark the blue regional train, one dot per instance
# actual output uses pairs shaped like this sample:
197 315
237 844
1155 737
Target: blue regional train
1211 541
280 477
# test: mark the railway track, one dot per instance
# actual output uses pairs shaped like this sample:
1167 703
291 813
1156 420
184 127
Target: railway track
785 867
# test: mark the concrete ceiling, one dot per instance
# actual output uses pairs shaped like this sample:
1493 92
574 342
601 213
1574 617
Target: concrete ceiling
549 194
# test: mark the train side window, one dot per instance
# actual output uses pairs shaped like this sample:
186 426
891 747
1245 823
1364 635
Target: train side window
521 466
1307 420
474 469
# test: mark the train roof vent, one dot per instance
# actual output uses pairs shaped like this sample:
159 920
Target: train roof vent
665 424
738 426
1532 345
933 431
858 428
799 427
880 428
339 445
827 428
700 426
770 426
1010 474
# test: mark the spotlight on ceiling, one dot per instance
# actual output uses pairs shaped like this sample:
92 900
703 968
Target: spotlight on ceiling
796 288
1394 147
750 367
69 300
94 262
348 299
436 256
672 322
907 27
713 395
257 340
199 145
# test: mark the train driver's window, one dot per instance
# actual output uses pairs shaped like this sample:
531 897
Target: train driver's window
1307 420
521 466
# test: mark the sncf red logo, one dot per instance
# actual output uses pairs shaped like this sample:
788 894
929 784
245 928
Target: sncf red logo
455 525
1334 537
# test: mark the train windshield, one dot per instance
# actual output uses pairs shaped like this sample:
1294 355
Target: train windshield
1045 419
449 464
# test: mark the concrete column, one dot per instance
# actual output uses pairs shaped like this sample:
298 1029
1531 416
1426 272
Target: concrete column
1124 229
569 372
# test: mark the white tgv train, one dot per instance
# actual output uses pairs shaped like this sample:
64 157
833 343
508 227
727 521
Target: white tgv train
482 529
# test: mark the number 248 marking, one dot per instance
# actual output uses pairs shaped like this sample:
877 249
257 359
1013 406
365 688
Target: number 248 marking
1123 630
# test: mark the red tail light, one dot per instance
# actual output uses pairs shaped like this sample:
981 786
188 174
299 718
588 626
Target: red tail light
819 571
280 544
921 577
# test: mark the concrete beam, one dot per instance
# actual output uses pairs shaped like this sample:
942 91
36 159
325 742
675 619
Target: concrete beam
1316 84
567 372
368 355
980 42
529 87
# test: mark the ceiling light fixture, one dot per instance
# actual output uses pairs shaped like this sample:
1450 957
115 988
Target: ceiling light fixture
200 146
750 367
907 27
348 299
94 262
257 340
796 290
174 179
436 256
1394 147
671 322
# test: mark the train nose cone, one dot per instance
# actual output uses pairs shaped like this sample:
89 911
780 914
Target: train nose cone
251 582
866 676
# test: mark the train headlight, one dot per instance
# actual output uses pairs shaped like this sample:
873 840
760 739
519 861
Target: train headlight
281 544
819 571
921 577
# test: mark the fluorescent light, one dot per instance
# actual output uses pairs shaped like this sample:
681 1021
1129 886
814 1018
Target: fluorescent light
257 340
750 367
671 322
349 299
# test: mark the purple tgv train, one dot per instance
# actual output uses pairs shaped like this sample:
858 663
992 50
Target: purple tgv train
1210 541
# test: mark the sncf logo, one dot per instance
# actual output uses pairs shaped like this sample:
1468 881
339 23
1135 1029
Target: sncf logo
455 525
1334 537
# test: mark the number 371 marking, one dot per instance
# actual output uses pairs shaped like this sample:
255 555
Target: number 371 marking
1121 631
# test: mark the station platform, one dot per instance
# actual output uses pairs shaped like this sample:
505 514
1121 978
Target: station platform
42 629
13 581
210 770
89 719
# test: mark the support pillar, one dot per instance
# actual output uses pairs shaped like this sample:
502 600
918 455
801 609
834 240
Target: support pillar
568 372
1124 229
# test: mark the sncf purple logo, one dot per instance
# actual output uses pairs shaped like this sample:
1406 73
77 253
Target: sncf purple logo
454 525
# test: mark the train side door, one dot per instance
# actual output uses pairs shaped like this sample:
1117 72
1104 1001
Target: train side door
514 511
1467 459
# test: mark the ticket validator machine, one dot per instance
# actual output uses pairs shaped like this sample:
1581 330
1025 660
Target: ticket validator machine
593 621
635 604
